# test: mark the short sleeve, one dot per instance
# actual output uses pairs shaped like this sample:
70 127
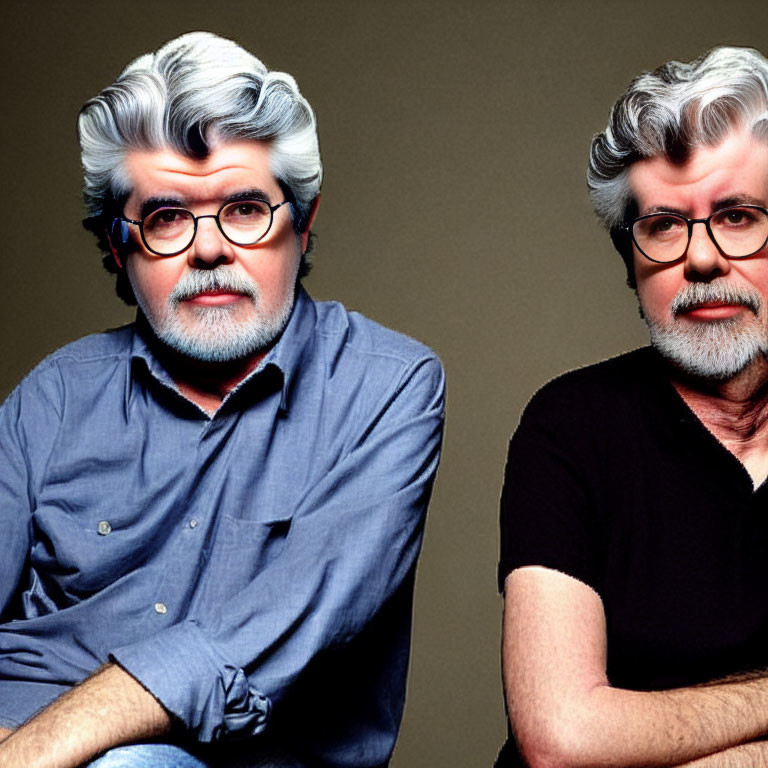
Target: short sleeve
547 511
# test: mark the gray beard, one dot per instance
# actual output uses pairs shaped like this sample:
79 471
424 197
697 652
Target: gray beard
215 335
718 349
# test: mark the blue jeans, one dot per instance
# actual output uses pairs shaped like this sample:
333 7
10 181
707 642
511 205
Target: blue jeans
147 756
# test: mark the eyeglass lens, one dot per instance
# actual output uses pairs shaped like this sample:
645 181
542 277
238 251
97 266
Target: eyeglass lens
738 232
171 230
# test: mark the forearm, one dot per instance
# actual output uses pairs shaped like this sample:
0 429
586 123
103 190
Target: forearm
753 755
613 727
109 709
564 711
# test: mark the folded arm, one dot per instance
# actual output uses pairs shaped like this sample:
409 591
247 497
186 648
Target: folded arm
564 712
352 545
108 709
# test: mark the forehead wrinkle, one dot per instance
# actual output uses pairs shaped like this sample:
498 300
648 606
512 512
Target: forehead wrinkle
718 189
214 176
739 149
201 172
231 168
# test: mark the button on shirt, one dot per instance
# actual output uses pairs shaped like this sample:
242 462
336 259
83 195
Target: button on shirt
253 570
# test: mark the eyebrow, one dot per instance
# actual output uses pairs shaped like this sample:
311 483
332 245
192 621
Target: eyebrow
154 203
665 209
248 194
725 202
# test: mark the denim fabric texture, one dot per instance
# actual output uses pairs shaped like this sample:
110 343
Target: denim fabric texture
147 756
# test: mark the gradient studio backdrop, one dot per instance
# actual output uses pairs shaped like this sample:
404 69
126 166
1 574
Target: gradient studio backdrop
454 137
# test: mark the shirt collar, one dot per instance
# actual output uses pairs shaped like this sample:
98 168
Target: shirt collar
294 345
675 417
656 388
287 355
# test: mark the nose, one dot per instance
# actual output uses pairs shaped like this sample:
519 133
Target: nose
703 260
210 248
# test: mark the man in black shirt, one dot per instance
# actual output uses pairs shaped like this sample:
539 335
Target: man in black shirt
634 514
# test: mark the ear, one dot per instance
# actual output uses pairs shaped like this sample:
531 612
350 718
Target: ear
622 242
310 220
123 232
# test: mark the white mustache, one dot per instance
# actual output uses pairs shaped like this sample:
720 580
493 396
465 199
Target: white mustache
219 279
697 294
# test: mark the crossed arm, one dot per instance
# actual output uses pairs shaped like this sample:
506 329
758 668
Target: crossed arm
565 713
108 709
376 492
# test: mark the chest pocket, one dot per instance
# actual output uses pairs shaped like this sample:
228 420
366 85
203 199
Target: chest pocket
240 550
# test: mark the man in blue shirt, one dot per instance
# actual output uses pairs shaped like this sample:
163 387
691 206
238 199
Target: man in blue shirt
211 517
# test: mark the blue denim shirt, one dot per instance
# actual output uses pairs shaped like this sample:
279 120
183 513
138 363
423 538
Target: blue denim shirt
254 569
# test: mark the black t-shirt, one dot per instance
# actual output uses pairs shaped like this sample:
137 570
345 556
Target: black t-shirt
612 479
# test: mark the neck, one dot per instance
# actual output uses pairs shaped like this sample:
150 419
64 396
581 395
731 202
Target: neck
207 384
204 383
735 411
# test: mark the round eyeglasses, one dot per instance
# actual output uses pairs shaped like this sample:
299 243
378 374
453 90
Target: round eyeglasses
738 232
169 231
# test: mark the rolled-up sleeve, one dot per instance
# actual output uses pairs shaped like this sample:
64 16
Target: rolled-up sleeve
352 544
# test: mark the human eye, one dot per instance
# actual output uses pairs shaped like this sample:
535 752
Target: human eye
166 221
245 212
737 218
661 227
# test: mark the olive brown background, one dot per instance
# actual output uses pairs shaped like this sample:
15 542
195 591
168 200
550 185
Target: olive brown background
454 137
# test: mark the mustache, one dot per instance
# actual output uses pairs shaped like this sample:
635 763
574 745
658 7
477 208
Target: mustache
695 295
218 279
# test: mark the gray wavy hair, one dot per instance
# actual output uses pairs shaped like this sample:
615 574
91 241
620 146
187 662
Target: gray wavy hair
669 112
194 89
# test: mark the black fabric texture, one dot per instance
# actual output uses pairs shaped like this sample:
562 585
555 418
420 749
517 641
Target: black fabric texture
613 480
